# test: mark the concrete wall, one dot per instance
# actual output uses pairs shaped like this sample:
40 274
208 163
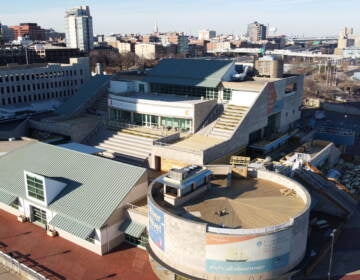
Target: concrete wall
19 131
77 132
178 154
153 107
341 108
93 247
121 86
243 98
292 101
201 112
188 246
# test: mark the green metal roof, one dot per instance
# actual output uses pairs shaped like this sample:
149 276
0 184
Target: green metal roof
88 90
133 229
189 72
7 198
71 226
95 185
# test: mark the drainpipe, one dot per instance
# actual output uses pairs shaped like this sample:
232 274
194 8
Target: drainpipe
107 238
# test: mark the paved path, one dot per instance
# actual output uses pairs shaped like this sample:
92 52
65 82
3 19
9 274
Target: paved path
60 259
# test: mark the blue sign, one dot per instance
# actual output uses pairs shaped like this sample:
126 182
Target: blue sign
246 267
156 226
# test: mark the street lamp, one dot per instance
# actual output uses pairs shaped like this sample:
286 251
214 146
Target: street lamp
332 235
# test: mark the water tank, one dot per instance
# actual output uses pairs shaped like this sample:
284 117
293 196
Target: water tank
270 66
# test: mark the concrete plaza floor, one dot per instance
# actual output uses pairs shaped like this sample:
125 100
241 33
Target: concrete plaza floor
59 259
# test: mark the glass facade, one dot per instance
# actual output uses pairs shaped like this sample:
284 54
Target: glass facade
206 92
149 120
146 120
35 188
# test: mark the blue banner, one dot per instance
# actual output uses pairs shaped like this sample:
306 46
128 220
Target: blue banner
156 226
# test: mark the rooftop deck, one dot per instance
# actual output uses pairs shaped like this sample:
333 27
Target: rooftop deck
247 203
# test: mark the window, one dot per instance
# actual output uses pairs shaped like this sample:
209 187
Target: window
35 188
15 203
227 94
290 88
171 191
38 215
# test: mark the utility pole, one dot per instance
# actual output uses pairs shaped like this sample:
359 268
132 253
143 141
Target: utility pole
332 235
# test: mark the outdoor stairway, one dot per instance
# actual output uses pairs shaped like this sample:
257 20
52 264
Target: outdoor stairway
101 104
128 145
228 121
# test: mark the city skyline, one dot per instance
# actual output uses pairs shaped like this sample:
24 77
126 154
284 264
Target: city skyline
114 17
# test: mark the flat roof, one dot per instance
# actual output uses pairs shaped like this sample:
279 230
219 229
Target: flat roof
197 142
255 85
247 203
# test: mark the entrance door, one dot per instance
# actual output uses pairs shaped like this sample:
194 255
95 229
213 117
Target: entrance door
38 215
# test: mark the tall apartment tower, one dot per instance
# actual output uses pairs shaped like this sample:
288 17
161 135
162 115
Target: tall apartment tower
79 29
256 32
207 34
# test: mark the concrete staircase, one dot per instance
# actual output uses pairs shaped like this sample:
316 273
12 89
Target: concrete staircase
228 121
128 145
101 105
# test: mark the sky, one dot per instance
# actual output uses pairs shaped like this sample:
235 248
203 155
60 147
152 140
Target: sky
289 17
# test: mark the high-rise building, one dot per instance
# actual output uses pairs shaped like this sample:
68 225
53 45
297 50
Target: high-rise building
206 34
79 29
256 32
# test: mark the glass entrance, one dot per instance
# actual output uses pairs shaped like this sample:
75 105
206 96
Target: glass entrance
39 215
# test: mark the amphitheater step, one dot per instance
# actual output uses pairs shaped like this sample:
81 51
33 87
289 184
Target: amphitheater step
124 145
129 151
140 133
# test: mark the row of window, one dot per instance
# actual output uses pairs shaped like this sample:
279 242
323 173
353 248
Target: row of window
29 87
36 76
208 93
36 97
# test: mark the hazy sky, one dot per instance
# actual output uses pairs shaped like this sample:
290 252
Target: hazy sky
290 17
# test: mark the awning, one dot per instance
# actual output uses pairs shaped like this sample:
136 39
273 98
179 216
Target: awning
132 228
71 226
7 198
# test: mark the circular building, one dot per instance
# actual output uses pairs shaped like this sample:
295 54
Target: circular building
211 223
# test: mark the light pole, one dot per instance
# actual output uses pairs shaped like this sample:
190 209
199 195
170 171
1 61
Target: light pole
332 235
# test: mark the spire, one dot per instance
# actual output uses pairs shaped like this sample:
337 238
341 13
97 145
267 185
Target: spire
156 27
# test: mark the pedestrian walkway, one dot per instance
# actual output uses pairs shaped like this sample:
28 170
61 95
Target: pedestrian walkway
60 259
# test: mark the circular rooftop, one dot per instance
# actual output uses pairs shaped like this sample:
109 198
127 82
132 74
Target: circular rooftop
247 203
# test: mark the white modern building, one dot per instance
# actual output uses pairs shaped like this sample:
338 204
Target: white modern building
199 111
79 28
